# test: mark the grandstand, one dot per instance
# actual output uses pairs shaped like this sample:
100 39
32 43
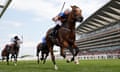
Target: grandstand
98 37
3 6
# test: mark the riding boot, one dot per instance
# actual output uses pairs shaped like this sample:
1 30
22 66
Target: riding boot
55 31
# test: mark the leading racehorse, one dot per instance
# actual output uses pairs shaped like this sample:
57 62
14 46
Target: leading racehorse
66 35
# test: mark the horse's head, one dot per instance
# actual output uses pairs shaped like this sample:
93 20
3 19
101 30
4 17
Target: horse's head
77 13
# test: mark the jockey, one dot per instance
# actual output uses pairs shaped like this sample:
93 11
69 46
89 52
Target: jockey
44 41
60 19
16 40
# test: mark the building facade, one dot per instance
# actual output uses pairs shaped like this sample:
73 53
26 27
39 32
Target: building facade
98 37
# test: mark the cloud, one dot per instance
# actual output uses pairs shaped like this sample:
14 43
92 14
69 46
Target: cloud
11 24
15 24
49 8
29 44
39 7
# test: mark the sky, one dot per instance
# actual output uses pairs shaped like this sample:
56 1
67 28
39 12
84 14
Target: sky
32 18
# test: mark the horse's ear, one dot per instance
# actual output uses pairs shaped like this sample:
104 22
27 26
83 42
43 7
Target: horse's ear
71 6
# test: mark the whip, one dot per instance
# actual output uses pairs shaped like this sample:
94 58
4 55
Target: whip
62 7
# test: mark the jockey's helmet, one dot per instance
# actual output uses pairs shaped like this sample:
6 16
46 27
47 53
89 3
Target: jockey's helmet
16 37
67 11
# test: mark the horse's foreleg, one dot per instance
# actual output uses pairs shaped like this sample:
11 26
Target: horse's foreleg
38 61
11 57
37 54
42 56
71 50
76 53
45 58
15 59
62 52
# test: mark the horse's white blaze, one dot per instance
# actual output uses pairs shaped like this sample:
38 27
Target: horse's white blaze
56 68
76 61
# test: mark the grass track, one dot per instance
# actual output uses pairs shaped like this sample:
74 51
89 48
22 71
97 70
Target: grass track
84 66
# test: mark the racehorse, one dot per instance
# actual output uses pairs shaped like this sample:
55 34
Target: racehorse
44 52
66 36
12 49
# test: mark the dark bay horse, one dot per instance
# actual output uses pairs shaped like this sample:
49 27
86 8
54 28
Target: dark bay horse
66 35
4 53
10 49
44 52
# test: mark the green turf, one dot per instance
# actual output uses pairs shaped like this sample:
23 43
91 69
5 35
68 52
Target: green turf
84 66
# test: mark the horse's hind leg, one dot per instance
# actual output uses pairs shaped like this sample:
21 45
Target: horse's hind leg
15 58
62 53
71 50
11 58
53 58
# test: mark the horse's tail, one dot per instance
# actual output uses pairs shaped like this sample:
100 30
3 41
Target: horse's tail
2 53
37 52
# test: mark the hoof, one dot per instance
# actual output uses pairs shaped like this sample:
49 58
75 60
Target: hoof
68 61
56 68
15 64
72 59
41 59
76 62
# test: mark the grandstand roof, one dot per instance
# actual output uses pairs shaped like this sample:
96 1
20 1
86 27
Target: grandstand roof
3 6
105 16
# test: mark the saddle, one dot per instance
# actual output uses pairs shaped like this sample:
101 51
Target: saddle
53 35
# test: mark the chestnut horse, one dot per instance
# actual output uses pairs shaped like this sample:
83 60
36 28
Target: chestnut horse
66 35
4 53
44 52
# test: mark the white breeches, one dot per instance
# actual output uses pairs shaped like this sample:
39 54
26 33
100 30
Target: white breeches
58 22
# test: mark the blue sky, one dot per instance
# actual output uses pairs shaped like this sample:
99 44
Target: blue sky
32 18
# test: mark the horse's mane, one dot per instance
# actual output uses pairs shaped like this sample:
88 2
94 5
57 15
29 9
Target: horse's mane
74 6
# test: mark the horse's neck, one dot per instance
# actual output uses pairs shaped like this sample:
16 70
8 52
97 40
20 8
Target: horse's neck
70 24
